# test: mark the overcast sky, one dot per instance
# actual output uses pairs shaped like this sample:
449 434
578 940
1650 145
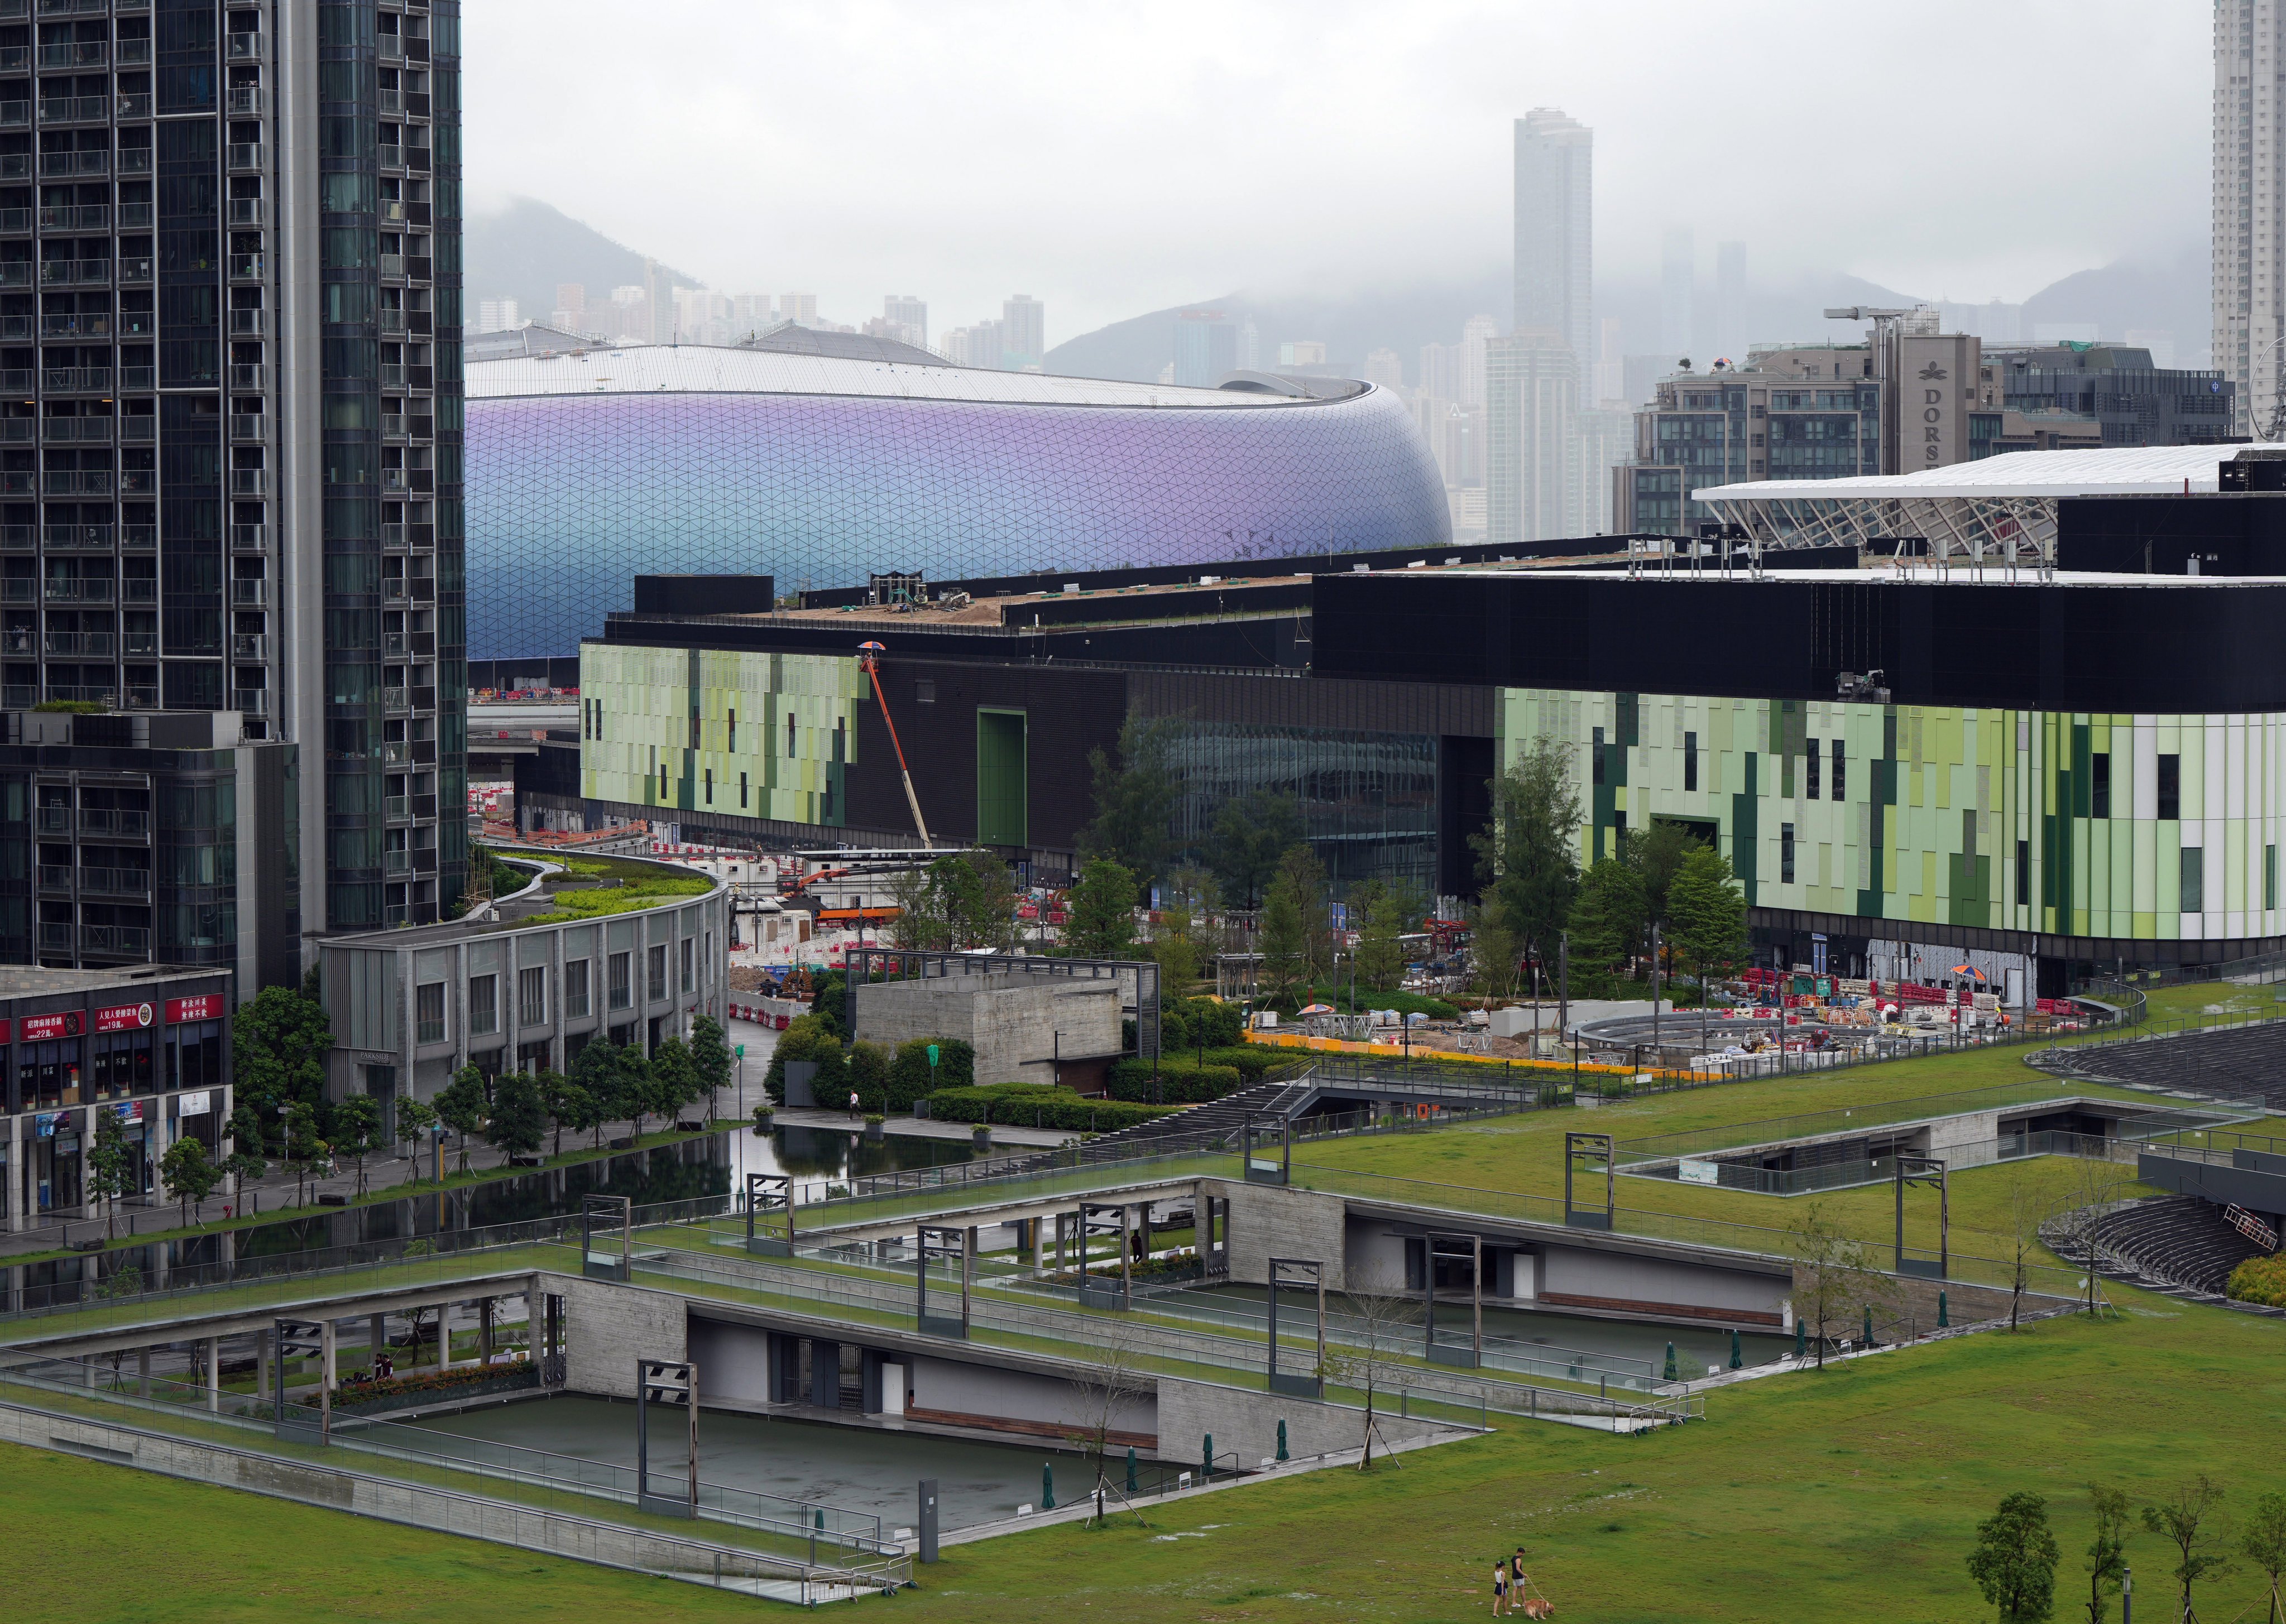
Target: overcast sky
1112 160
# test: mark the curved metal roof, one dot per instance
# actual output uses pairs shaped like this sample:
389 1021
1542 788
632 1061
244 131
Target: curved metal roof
2120 471
693 369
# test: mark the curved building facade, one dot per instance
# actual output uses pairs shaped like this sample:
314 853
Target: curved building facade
587 469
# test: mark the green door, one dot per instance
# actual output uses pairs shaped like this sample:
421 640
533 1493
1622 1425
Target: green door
1000 800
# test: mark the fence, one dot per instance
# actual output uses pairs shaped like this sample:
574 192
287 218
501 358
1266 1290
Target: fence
1858 1170
1805 1124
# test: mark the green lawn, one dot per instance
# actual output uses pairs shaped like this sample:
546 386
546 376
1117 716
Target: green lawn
1850 1495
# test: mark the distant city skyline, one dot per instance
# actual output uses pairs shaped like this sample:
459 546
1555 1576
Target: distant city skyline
1196 152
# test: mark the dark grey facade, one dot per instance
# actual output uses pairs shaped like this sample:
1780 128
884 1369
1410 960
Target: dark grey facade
134 839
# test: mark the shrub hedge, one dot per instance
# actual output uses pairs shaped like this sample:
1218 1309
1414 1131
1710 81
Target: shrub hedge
1030 1105
2259 1280
1188 1084
884 1083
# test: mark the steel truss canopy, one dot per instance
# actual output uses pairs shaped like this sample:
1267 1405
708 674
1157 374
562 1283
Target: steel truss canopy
1999 509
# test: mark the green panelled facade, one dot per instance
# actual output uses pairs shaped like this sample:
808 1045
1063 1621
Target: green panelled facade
2149 827
756 735
1000 779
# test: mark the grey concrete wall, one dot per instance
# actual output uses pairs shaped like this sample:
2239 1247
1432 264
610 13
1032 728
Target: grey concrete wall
1038 1402
1018 1024
1247 1424
1273 1221
1374 1259
1619 1280
733 1361
1913 1307
608 1327
1976 1128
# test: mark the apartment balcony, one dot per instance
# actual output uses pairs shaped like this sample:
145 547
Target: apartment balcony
76 380
86 325
397 862
396 701
15 221
135 429
392 377
68 166
19 538
242 157
80 645
245 212
253 701
396 808
134 53
245 426
56 817
138 481
19 589
71 589
139 538
245 267
396 752
135 379
249 537
249 482
248 378
392 267
134 272
15 114
78 8
16 273
391 153
18 166
16 58
391 100
76 537
75 110
71 694
392 428
75 273
392 535
391 322
54 937
116 941
139 644
245 100
247 48
393 645
19 481
114 882
138 591
81 54
247 324
252 646
390 47
135 216
115 822
134 161
57 878
134 105
394 589
249 594
80 430
140 696
76 217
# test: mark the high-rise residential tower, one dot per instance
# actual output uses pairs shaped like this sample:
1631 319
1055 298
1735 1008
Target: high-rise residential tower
1532 446
230 334
1023 334
2249 191
1555 229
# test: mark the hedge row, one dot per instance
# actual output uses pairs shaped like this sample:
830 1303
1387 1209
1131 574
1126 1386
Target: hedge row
1177 1085
2259 1280
1029 1105
885 1082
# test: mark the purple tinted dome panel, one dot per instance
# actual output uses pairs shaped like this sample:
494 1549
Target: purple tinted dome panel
571 497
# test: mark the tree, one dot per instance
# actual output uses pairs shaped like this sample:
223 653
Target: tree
711 1058
1248 836
189 1175
1102 912
110 1165
1380 1332
920 922
246 1160
959 890
2263 1544
2028 1203
1708 912
1113 1384
674 1080
1494 952
1135 801
415 1121
1285 941
303 1148
2107 1554
1834 1276
869 1075
994 925
556 1091
2014 1562
2185 1519
461 1105
1609 914
1380 952
357 1131
1304 876
517 1125
1175 945
277 1047
1656 855
594 1073
1527 854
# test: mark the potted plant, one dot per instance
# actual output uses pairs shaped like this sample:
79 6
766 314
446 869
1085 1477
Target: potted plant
980 1136
873 1126
765 1117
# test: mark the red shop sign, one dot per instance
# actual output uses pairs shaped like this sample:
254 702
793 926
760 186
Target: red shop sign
70 1024
7 1031
124 1018
205 1006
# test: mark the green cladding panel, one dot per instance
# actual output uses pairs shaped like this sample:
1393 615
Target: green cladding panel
1000 800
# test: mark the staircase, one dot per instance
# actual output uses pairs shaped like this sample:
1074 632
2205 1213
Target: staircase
2179 1239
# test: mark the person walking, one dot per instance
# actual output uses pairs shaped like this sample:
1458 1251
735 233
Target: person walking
853 1105
1500 1585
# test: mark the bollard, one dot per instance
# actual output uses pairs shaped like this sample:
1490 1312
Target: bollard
1869 1326
1047 1485
1670 1361
1206 1469
1281 1440
1943 1318
1738 1359
1800 1339
1132 1485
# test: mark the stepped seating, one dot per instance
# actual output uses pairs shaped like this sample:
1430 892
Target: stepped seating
1225 1115
2241 1062
2180 1239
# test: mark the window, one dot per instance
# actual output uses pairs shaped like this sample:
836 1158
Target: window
662 780
733 741
2195 880
2269 876
1786 853
709 786
575 989
2099 787
690 957
2023 874
1809 769
484 1005
532 996
2170 786
694 730
1595 759
789 732
428 1012
925 691
658 967
1690 762
1836 785
742 790
622 980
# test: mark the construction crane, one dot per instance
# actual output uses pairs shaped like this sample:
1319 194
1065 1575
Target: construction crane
868 661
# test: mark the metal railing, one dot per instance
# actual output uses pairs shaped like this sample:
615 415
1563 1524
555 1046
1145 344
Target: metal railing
1840 1118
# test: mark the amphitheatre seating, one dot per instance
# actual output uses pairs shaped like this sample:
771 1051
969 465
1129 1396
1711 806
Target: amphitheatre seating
2177 1238
1227 1114
2239 1062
